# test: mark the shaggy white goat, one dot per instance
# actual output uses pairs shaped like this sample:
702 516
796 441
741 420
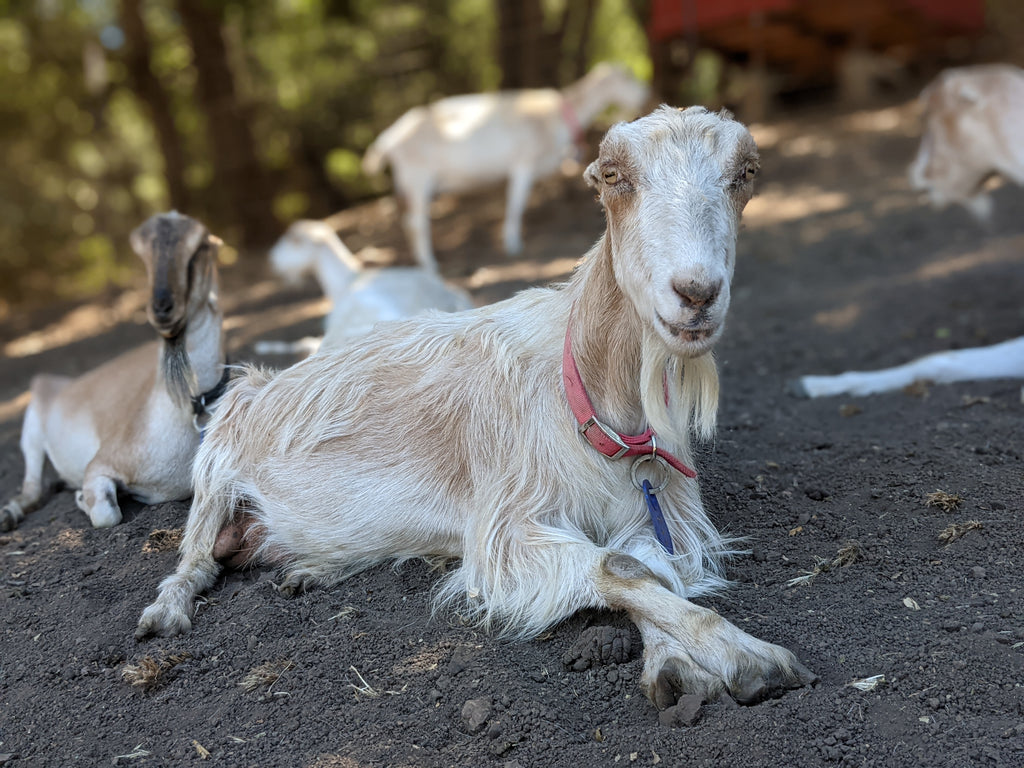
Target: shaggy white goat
972 120
972 125
130 425
452 435
360 297
461 142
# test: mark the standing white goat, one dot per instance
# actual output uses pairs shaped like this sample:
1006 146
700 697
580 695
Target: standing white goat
360 297
462 142
452 435
130 425
972 125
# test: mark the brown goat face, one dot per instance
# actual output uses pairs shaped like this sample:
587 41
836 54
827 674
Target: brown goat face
179 256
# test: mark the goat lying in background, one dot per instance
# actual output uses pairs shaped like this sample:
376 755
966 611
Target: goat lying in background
360 297
453 436
463 142
972 119
130 425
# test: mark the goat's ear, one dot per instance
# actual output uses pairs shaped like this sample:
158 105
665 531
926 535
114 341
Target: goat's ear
139 239
967 93
213 241
592 176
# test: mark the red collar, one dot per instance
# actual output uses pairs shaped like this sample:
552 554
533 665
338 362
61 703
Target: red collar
569 115
604 439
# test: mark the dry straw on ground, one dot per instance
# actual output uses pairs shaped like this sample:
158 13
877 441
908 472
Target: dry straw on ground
266 674
954 531
947 502
148 673
848 554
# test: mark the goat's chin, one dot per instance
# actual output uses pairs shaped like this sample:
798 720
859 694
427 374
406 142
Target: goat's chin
686 341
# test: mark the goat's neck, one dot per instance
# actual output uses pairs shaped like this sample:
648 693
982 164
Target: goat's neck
336 271
587 102
204 344
606 341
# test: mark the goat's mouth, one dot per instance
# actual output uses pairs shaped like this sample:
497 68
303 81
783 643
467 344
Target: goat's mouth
169 330
698 335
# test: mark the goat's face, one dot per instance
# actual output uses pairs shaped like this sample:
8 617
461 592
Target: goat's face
297 250
954 158
179 255
673 185
617 86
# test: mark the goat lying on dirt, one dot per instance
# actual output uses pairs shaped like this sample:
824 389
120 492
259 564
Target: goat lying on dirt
130 425
360 297
454 435
972 120
972 125
462 142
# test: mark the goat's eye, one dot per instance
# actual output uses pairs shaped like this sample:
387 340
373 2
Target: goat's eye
747 173
611 176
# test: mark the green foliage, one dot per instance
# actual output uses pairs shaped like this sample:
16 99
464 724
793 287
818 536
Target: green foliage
317 80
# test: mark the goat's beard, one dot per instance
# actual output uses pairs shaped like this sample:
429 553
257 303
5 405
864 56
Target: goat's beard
679 395
176 370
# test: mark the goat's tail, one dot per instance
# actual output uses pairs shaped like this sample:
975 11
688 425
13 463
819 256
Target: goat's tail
378 154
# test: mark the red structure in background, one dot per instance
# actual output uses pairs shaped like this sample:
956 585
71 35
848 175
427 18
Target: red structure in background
804 43
672 18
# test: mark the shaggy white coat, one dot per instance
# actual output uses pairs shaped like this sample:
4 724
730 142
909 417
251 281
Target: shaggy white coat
450 435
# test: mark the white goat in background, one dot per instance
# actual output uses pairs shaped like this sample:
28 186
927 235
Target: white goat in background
452 435
972 130
360 296
462 142
130 425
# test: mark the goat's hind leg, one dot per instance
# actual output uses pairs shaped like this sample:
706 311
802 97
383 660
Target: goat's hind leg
33 448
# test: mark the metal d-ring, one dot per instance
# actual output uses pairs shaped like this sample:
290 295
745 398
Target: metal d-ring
649 457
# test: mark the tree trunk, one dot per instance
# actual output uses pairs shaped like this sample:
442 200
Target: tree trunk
246 198
524 52
138 55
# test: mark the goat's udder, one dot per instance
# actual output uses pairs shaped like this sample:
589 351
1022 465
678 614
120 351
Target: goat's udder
236 543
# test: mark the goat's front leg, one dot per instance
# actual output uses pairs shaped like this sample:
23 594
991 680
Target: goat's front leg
33 448
519 183
690 649
98 497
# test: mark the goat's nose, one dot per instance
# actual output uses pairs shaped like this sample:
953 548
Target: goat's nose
163 302
694 295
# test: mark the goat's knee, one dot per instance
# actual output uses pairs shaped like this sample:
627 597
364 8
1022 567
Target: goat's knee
98 499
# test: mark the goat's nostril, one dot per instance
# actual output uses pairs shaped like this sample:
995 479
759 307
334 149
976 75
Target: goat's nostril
163 303
695 295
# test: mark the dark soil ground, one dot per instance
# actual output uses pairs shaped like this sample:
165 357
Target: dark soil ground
840 267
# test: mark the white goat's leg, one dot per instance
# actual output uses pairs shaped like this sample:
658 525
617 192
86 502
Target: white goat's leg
690 649
687 648
519 183
1005 360
417 222
98 497
33 448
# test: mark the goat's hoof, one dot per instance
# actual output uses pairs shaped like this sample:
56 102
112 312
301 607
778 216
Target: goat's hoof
105 518
796 388
160 620
293 585
597 646
752 683
10 516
